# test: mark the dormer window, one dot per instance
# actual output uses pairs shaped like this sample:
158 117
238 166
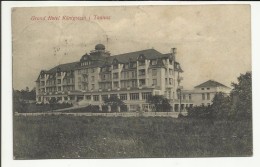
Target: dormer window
154 62
141 63
132 65
170 61
126 66
115 66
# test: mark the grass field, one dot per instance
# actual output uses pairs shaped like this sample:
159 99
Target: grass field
45 137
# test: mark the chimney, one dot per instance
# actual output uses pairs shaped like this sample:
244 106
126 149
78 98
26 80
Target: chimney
174 53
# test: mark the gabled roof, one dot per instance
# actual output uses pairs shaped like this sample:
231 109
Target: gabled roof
211 83
148 53
64 67
102 61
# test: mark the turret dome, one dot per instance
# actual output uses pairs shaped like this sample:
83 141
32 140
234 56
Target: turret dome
100 47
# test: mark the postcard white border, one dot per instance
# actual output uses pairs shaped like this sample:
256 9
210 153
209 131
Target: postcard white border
6 81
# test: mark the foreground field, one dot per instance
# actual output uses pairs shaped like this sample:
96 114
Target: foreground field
61 136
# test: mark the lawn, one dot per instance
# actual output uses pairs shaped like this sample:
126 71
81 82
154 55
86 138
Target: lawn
61 136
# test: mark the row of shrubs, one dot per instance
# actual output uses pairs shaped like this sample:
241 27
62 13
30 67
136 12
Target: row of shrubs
23 107
96 109
208 112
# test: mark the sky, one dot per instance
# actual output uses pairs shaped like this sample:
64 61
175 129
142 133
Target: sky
212 41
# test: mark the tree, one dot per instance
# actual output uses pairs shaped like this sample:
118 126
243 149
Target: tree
221 106
114 102
160 103
241 96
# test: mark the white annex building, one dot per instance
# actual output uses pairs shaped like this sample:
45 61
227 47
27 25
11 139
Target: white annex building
131 76
204 93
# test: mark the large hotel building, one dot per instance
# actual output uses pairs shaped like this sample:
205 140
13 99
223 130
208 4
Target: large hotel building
131 76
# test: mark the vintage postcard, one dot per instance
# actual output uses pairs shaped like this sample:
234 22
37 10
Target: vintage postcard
132 82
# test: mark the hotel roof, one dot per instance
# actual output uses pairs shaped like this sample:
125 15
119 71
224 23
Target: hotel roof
211 83
122 58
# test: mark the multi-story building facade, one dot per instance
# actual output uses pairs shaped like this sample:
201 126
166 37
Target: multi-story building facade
204 93
132 77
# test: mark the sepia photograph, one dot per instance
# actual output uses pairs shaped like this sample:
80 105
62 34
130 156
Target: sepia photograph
150 81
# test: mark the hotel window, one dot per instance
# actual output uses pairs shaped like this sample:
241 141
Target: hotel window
189 96
123 84
133 74
141 82
145 95
92 78
170 71
115 66
115 75
59 88
203 96
65 98
208 96
170 81
93 86
208 88
154 72
141 63
93 70
166 83
202 88
170 61
154 81
184 96
126 66
123 96
96 97
116 84
134 96
134 84
104 97
132 65
59 81
154 62
79 86
88 97
142 72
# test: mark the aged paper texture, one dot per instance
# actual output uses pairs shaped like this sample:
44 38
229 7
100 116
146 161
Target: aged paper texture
132 82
